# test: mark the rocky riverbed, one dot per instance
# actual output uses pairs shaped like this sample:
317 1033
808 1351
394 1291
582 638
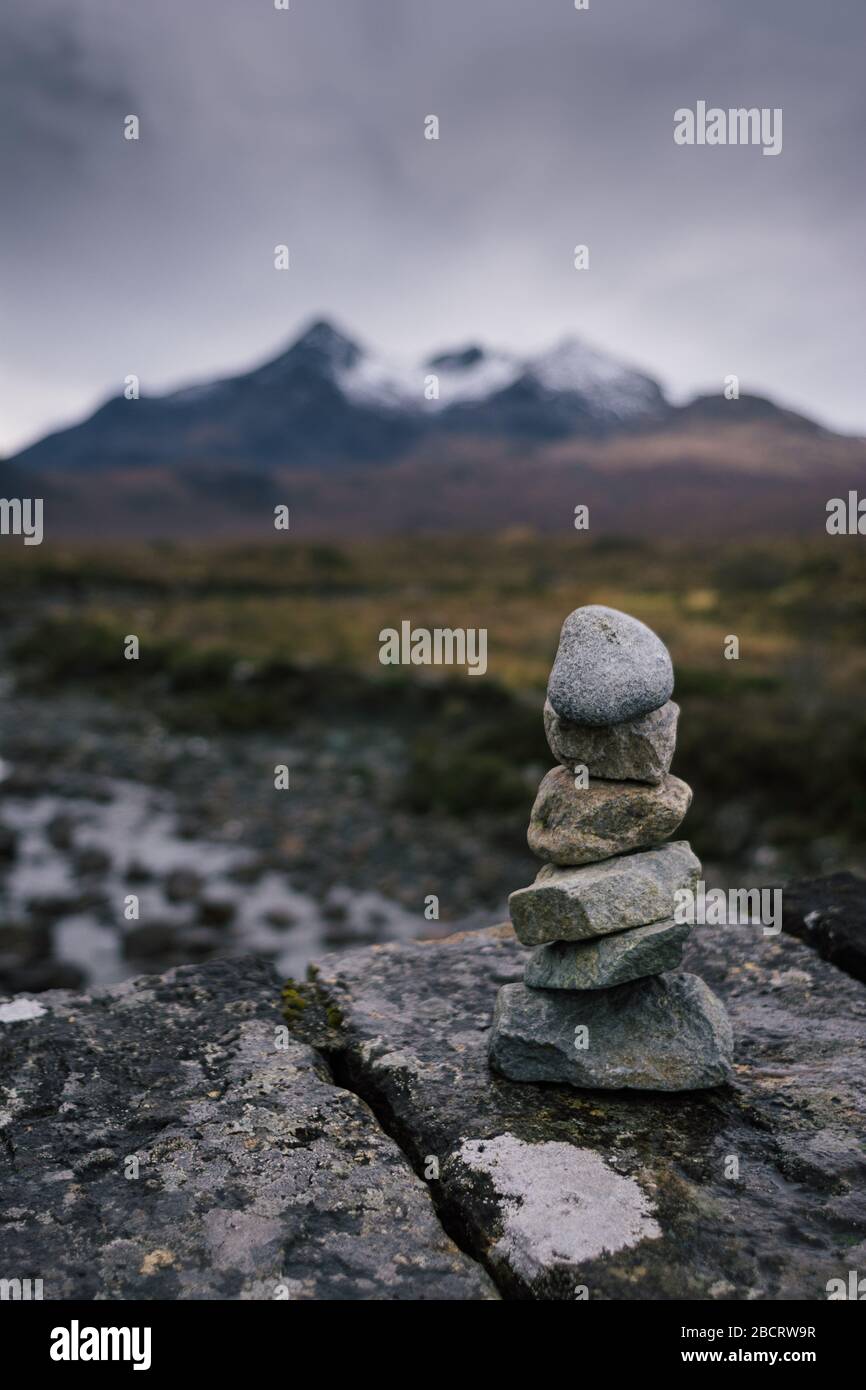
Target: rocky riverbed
99 801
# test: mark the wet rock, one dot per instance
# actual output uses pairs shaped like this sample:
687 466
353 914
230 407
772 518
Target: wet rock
53 906
608 960
349 934
149 940
136 872
572 825
829 914
60 831
250 872
666 1033
8 844
609 668
639 750
622 1194
25 941
628 891
24 780
217 912
281 918
32 977
258 1177
91 861
196 943
182 885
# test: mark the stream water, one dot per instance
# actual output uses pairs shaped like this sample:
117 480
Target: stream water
78 862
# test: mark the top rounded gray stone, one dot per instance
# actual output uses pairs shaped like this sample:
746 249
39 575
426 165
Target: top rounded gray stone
609 668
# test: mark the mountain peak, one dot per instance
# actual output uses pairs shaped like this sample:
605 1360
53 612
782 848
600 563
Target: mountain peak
458 358
615 390
327 342
326 396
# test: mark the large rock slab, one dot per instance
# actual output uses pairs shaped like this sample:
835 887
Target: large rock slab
756 1190
157 1143
627 891
829 914
667 1033
572 825
607 960
640 750
609 668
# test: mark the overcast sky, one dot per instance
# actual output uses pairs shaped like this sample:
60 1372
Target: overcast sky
307 127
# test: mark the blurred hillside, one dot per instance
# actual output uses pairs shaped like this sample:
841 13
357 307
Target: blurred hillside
242 638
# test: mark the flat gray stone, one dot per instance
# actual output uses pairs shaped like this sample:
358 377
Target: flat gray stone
667 1033
629 890
609 668
608 960
572 825
626 1195
639 750
258 1177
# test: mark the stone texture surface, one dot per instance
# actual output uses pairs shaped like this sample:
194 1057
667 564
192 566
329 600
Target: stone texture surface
627 891
628 1195
829 914
609 668
624 1193
608 960
667 1033
572 825
640 750
257 1172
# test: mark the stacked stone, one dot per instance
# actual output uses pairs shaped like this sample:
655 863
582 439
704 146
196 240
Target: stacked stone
597 1008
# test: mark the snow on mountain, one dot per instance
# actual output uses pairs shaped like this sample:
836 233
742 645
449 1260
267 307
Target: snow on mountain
476 374
465 375
470 374
380 381
608 384
327 401
473 374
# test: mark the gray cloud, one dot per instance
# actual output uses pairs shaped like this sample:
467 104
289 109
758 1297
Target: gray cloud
556 127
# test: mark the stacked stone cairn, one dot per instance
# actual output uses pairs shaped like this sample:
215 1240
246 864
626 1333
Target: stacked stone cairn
602 1004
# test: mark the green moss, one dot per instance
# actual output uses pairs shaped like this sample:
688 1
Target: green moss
309 1011
293 1000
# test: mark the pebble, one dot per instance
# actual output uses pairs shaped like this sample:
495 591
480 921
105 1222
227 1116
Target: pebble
665 1033
608 960
565 904
638 750
581 825
609 668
